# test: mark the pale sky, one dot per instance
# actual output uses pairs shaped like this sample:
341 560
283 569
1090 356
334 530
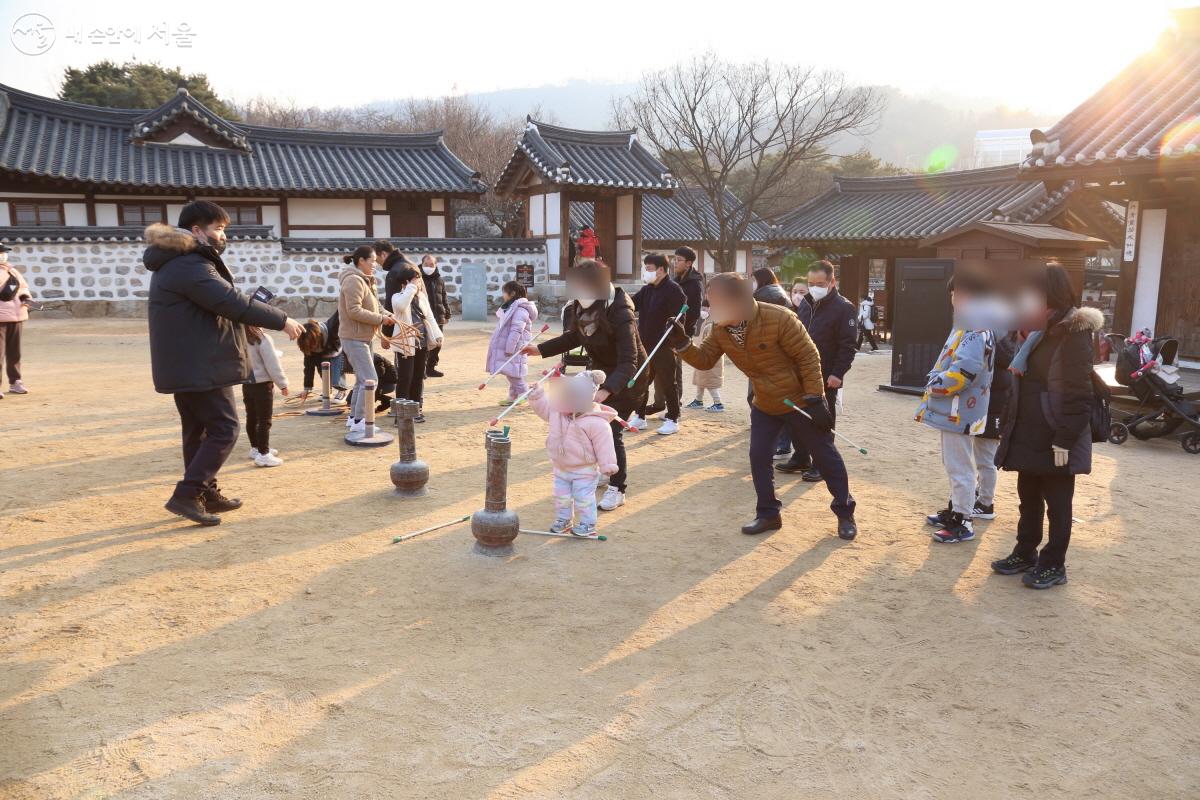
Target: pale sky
1045 55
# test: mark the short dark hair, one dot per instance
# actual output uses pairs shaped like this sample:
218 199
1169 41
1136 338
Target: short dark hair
202 213
966 282
688 254
1060 294
514 288
826 266
655 260
383 246
765 276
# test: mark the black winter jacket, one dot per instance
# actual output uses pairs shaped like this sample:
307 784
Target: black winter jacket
435 287
1001 387
774 294
196 316
832 324
1052 403
692 284
656 305
614 346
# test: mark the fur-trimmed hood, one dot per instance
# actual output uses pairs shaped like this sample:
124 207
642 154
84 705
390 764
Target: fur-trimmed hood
166 242
1083 319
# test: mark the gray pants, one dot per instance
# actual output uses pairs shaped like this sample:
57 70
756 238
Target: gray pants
970 463
363 364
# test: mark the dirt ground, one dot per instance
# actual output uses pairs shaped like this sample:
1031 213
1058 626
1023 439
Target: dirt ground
293 651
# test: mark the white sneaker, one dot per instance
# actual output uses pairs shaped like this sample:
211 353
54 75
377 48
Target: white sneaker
358 428
267 460
254 453
349 421
668 427
637 422
613 499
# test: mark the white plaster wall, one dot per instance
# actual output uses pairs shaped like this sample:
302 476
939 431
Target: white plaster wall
378 204
106 214
437 226
553 214
329 233
173 210
625 215
271 216
4 215
624 256
437 204
743 264
320 211
75 213
537 212
382 226
1149 269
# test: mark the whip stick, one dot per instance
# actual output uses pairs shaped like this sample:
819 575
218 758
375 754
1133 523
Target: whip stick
795 407
666 333
545 328
430 529
545 377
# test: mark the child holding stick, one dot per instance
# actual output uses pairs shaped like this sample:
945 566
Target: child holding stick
259 396
517 316
580 446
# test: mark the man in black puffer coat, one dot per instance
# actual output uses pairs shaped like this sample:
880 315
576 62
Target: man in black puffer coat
198 349
692 283
435 287
832 323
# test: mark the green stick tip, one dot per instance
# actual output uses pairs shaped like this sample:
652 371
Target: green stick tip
602 538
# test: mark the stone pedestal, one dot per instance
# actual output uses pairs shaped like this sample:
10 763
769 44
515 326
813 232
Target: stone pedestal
409 474
495 527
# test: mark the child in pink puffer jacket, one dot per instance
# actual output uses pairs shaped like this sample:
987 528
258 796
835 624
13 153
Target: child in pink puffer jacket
580 445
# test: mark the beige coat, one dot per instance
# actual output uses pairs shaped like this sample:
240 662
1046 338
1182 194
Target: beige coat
708 378
359 317
405 342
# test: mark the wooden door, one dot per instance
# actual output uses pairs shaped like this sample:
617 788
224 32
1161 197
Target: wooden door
409 215
922 318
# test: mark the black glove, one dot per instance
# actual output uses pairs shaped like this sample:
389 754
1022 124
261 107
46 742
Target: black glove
814 406
677 337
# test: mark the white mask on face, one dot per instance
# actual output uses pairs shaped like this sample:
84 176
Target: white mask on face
429 270
818 292
649 275
704 313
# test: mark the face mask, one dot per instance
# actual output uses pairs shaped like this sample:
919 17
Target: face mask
649 276
429 270
985 313
818 292
704 313
798 297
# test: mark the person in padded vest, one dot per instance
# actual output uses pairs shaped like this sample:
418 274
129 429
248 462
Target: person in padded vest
770 345
600 319
198 349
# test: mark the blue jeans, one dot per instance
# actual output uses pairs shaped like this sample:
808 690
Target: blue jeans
764 434
337 371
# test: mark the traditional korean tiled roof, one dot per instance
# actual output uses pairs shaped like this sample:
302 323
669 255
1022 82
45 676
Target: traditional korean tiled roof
668 219
122 233
564 156
1036 234
910 208
1148 113
414 247
89 146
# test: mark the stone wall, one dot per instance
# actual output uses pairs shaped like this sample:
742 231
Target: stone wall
106 278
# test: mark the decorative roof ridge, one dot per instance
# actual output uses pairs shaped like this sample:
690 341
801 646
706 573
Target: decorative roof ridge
69 108
184 103
626 137
1006 173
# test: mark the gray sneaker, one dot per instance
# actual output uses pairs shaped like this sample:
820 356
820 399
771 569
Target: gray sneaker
561 526
584 529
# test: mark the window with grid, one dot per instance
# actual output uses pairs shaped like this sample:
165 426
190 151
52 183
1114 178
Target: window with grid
244 215
37 214
142 213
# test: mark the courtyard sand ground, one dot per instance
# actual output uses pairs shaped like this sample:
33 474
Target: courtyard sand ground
294 652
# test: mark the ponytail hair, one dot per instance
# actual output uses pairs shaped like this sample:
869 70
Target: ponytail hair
361 252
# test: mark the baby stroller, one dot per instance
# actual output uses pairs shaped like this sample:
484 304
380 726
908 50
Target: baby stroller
1147 366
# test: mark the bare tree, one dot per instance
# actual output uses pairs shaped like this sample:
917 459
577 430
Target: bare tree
711 119
471 130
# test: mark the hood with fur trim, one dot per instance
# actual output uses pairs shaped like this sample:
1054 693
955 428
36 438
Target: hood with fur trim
166 242
1083 319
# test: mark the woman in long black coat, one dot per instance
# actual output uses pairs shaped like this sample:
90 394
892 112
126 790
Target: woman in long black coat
1046 434
605 326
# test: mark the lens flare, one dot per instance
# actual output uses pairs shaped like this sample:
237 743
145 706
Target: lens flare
1183 138
942 158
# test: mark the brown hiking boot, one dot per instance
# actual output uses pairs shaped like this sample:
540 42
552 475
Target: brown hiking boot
193 509
217 503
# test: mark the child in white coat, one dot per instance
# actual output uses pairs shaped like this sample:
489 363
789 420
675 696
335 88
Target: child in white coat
259 396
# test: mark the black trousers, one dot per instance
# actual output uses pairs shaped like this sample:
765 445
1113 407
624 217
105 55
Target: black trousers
764 433
1044 496
662 373
10 349
869 335
210 430
624 406
678 375
799 450
432 359
259 399
410 375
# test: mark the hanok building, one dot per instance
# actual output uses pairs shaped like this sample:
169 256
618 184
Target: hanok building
1137 142
610 172
868 224
671 222
79 184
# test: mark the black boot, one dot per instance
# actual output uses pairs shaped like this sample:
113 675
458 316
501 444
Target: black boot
192 508
433 373
792 466
847 528
762 525
218 503
1044 577
1013 564
812 475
